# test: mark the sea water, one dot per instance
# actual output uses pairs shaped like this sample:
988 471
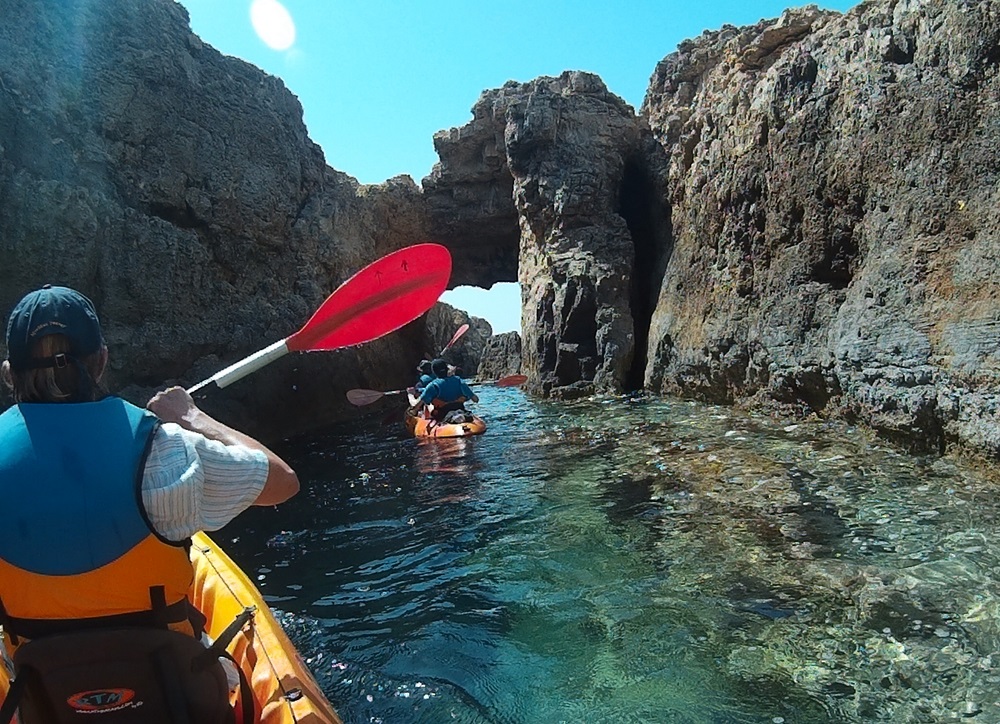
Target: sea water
634 560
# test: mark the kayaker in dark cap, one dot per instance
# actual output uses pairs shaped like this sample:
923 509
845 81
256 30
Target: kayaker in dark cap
101 496
446 393
426 374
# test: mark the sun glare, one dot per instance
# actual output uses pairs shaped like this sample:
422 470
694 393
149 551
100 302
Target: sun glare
273 24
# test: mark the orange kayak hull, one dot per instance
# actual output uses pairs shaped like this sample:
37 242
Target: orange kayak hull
284 690
422 427
272 665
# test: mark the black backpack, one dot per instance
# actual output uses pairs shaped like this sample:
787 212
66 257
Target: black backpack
126 675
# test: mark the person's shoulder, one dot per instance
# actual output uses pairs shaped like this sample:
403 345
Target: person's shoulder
170 434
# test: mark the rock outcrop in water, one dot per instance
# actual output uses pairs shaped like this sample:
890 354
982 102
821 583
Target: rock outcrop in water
501 357
803 215
564 169
443 321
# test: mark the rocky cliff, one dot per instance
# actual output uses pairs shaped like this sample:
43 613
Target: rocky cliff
802 215
501 357
443 321
178 188
833 188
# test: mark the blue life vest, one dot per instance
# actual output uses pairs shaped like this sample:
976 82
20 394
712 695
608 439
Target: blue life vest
78 549
446 390
69 485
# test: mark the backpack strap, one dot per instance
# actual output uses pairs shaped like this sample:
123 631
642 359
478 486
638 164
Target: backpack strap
218 650
7 628
9 706
218 647
18 685
247 702
36 628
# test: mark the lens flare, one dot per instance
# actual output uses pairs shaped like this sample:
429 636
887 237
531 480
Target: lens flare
273 24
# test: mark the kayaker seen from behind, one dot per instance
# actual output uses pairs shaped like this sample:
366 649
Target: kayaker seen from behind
446 394
426 375
101 498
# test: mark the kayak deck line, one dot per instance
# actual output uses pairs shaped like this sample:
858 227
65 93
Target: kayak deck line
285 691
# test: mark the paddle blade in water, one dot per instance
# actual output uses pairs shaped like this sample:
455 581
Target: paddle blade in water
379 299
512 381
364 397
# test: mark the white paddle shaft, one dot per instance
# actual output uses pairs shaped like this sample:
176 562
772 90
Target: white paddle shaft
245 366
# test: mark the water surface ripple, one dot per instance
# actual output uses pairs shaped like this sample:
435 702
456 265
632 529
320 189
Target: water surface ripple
634 560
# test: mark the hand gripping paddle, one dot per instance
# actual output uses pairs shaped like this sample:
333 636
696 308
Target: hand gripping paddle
379 299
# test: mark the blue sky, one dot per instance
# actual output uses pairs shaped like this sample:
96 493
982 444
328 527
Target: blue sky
377 78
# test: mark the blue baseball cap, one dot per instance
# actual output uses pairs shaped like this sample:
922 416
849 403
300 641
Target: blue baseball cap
52 310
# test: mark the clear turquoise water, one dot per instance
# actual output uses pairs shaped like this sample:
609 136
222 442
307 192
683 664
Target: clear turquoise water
624 560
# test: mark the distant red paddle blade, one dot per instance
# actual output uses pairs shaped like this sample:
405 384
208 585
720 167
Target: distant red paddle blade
461 330
512 381
379 299
364 397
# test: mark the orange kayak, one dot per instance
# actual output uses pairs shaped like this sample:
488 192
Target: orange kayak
422 427
284 690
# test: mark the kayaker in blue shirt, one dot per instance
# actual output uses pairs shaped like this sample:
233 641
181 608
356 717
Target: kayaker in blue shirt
445 393
426 374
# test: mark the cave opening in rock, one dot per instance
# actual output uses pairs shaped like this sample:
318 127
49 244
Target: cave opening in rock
500 305
649 223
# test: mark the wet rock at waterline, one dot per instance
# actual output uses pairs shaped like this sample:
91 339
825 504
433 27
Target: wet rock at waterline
501 356
834 209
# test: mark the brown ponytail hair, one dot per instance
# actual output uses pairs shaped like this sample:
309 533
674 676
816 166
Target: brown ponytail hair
76 381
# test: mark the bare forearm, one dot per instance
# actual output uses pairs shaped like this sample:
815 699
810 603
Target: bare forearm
204 424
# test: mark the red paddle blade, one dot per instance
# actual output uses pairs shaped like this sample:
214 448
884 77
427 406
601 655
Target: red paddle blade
379 299
461 330
364 397
512 381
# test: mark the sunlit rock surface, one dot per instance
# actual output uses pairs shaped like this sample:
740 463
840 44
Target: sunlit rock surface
834 204
178 188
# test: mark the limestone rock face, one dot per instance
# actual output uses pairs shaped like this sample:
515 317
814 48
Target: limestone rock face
803 215
582 172
178 188
835 208
501 357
